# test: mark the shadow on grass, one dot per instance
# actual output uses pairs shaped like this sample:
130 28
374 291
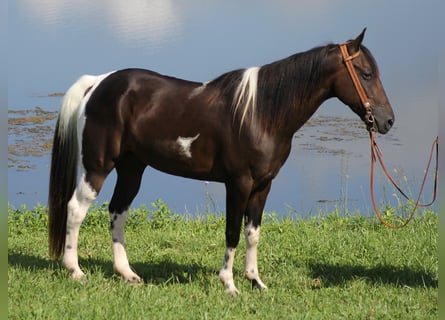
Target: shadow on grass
161 272
166 271
30 262
335 275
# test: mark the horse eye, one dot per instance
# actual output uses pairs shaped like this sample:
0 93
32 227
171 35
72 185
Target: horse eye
366 75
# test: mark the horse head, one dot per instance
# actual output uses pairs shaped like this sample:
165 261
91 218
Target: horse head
359 86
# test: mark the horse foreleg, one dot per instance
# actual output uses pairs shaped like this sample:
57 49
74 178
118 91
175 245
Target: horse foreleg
78 206
252 228
252 235
236 201
226 272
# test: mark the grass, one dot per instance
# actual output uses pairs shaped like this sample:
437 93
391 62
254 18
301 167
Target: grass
324 267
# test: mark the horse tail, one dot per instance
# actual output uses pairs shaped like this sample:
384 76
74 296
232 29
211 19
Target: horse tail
64 163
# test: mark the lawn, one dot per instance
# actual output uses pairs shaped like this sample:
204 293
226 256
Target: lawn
324 267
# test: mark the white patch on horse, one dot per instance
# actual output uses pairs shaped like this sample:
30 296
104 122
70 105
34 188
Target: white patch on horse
245 95
226 272
78 206
198 90
252 235
85 190
185 144
120 259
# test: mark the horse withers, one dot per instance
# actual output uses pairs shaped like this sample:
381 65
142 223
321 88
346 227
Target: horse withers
236 129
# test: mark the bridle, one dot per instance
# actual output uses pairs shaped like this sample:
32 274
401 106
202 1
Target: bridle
369 118
376 153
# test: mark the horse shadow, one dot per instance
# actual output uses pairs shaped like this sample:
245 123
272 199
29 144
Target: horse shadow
157 273
168 272
339 274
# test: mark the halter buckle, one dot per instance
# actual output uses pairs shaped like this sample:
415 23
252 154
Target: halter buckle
369 118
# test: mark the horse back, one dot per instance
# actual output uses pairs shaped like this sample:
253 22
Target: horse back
171 124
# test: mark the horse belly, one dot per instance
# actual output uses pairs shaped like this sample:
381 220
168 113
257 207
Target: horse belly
186 156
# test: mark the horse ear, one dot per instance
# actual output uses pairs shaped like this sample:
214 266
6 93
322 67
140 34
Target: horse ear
358 41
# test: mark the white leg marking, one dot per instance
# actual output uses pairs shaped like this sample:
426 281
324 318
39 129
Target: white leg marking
226 273
251 270
78 206
121 264
185 144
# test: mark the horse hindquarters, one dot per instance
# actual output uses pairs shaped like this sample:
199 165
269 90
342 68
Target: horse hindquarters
68 202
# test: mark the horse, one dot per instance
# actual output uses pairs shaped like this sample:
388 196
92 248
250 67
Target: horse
236 129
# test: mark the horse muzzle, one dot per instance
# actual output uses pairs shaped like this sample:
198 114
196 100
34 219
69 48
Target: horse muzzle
380 123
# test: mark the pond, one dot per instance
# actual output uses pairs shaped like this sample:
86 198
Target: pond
52 43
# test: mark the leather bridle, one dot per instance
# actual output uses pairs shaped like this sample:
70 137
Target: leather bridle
369 118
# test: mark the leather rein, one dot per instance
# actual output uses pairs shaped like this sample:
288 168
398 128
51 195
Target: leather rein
376 153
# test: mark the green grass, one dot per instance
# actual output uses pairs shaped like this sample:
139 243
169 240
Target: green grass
325 267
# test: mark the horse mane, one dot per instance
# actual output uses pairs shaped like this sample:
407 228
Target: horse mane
267 94
287 83
371 60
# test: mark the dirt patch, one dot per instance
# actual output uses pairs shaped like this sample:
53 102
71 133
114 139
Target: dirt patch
29 135
327 135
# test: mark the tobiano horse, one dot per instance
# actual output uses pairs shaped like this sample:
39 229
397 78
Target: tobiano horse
236 129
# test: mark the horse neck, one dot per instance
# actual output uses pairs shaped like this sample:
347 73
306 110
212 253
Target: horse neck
302 111
301 84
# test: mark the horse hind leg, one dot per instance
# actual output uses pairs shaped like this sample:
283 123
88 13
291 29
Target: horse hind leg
83 196
129 175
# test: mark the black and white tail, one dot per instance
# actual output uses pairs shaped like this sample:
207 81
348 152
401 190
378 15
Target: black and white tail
64 163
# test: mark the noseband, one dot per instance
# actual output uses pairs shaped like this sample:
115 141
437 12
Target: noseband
369 118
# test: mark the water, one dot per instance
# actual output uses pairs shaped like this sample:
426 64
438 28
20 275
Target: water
53 42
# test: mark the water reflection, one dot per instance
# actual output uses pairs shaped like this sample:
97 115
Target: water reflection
134 23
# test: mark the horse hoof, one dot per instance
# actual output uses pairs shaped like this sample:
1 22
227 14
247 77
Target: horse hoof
79 276
233 292
133 279
258 284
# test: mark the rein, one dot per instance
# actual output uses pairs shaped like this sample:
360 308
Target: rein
376 153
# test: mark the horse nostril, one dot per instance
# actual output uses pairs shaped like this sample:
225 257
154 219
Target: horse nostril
390 122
